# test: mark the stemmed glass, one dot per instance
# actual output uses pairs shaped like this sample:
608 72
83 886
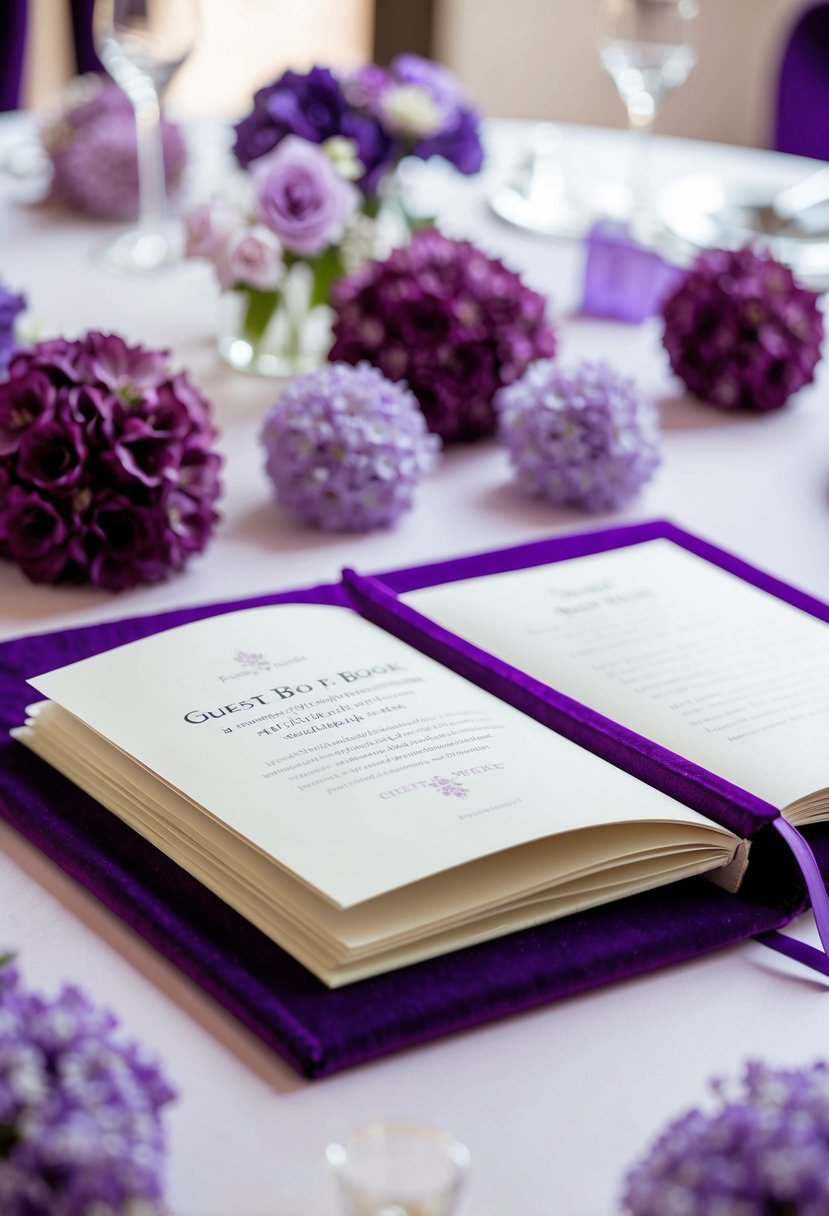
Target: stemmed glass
142 44
647 48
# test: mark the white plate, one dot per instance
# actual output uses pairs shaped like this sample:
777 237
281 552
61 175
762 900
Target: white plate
706 212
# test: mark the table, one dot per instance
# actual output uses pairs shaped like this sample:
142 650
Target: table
555 1103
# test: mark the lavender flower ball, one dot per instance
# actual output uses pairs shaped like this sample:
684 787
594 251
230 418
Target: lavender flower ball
765 1149
346 448
80 1112
740 331
107 469
91 143
455 324
579 437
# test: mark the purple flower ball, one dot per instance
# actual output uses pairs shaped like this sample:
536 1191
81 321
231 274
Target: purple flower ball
107 470
455 324
741 332
80 1111
579 437
346 448
765 1149
91 143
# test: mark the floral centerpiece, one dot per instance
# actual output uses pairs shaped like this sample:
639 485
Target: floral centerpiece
80 1111
319 152
108 473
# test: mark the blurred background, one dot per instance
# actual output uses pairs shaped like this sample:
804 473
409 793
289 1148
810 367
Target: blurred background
517 58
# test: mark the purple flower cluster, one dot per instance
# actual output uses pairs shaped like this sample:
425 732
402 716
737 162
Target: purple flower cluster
91 143
346 448
765 1150
80 1112
413 109
455 324
579 437
313 106
740 331
420 104
107 474
11 305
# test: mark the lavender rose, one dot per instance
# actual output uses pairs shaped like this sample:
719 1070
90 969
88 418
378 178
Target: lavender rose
301 197
208 226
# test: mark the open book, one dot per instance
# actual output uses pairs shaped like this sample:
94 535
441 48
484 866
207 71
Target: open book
360 803
366 806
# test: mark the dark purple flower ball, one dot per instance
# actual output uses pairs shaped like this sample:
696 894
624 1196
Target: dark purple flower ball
580 436
764 1149
107 469
80 1111
313 106
741 332
346 448
91 143
455 324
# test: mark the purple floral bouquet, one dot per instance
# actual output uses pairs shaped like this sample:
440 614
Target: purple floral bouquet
764 1150
90 140
11 306
107 470
455 324
80 1112
318 150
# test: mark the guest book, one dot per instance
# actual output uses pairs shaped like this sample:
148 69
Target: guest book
366 814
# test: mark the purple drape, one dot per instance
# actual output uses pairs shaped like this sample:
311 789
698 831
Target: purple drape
13 27
803 90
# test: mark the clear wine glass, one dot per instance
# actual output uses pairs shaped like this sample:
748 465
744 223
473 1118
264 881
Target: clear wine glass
142 44
647 48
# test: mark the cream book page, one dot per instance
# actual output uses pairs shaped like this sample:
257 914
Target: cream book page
357 763
670 646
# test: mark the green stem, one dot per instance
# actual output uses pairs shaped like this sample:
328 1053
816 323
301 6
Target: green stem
259 309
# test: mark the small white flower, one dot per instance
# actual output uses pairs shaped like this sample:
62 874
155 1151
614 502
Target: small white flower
342 152
409 109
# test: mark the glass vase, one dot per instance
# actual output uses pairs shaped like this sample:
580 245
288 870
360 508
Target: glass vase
276 333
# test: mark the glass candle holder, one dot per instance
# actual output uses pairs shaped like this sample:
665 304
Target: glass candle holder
391 1168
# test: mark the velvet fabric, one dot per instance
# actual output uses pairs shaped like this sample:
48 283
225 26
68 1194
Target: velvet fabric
320 1031
803 86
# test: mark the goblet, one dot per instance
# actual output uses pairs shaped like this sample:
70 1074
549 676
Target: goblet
646 48
394 1168
142 44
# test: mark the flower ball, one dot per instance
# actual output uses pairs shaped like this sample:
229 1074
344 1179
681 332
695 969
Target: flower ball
741 332
346 448
81 1109
455 324
91 143
578 437
107 469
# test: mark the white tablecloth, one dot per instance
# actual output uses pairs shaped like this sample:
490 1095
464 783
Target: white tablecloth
554 1103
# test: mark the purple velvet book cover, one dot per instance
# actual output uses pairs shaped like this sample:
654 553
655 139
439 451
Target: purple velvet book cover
318 1030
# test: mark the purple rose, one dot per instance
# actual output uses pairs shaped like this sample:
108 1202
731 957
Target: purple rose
127 542
301 197
38 538
51 454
